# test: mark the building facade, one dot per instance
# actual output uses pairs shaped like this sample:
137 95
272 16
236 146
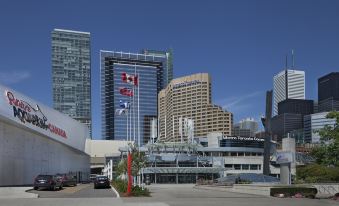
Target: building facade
285 123
296 106
328 92
168 74
247 124
314 122
237 131
190 97
288 84
36 139
71 73
151 70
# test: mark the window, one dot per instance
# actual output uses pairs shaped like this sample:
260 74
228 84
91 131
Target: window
237 166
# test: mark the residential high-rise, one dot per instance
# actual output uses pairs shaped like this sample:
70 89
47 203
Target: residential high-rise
288 84
71 74
151 70
190 97
328 92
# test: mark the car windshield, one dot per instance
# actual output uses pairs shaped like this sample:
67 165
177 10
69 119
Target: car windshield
44 177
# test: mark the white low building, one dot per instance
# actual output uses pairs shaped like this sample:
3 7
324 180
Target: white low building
35 139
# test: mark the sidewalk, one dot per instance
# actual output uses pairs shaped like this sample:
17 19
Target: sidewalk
16 192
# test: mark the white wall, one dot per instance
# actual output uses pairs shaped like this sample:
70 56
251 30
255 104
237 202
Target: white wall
102 148
24 154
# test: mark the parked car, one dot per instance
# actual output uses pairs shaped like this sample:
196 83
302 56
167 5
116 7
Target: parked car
47 182
101 181
67 180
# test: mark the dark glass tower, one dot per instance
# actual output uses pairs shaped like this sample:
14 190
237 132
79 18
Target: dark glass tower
328 92
152 70
71 73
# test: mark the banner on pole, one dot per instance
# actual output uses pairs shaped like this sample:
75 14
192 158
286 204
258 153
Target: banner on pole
121 111
125 91
130 79
124 105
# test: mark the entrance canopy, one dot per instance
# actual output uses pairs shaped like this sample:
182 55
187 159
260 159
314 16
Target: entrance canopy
183 170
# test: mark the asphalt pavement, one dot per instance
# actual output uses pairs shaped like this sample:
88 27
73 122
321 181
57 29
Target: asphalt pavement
80 191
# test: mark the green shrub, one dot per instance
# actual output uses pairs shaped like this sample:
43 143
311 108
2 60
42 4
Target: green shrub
291 191
138 192
121 186
317 173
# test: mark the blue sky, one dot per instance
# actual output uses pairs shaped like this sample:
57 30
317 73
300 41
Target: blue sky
242 44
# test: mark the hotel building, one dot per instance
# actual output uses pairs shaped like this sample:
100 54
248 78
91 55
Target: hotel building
190 97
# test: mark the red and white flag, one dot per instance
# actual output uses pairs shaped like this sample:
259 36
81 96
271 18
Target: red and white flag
125 91
131 79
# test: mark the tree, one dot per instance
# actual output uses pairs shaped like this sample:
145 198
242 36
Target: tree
328 152
138 161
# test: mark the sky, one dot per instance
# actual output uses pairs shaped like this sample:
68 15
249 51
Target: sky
241 44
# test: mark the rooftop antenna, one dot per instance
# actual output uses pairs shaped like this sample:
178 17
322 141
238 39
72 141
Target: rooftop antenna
292 58
286 62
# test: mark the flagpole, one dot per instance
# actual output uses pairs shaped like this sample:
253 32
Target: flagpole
134 118
127 125
138 111
130 120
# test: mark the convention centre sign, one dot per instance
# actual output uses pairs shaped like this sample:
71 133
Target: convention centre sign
42 119
244 138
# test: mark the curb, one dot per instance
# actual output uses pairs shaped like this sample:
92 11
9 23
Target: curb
115 191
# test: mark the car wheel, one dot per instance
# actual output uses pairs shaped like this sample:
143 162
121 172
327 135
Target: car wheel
35 188
60 188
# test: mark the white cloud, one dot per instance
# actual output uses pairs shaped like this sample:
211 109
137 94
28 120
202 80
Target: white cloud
238 103
13 77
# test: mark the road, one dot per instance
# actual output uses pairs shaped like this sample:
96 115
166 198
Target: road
80 191
162 195
186 195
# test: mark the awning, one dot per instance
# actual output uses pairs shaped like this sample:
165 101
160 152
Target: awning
182 170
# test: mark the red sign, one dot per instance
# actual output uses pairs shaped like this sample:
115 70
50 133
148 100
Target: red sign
33 115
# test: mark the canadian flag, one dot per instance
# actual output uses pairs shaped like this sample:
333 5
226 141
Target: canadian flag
131 79
125 91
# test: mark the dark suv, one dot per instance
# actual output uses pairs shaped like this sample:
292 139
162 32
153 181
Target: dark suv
67 180
101 181
47 182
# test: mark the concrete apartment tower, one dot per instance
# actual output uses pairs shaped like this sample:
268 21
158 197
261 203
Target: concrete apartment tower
71 74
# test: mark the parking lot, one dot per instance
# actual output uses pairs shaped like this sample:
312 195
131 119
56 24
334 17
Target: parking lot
79 191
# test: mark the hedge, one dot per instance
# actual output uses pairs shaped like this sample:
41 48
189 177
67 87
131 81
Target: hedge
291 191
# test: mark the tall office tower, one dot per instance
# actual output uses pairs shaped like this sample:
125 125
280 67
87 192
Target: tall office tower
190 97
328 92
168 76
288 84
71 73
151 70
250 124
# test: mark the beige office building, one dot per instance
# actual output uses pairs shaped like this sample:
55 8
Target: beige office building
190 97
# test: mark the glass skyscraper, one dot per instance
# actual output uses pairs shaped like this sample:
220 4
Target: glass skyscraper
152 71
71 73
